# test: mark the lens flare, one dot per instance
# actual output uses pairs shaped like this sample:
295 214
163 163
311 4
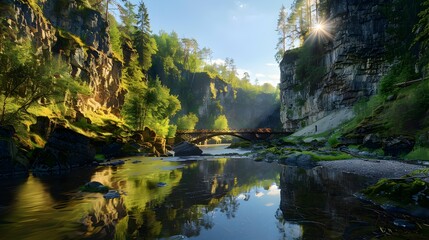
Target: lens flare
321 31
319 27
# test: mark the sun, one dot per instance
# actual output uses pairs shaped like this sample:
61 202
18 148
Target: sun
321 31
319 27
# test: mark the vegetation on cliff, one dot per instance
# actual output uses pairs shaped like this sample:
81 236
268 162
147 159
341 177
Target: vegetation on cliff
402 105
397 111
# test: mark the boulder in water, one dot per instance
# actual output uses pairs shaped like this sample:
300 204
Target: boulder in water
94 186
186 149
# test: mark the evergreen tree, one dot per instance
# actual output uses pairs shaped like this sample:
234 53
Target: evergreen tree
128 18
144 43
115 37
282 30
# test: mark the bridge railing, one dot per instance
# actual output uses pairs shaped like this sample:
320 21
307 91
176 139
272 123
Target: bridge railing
245 130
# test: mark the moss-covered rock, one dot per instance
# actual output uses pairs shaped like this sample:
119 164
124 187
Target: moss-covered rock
408 195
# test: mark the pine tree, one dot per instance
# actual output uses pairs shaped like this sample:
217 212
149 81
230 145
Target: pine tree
128 18
144 43
282 29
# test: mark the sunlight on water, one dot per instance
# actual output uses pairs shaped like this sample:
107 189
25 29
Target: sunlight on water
215 198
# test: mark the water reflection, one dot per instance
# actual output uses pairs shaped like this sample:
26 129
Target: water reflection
209 199
321 202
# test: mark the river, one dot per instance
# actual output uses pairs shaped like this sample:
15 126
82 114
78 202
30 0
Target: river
203 198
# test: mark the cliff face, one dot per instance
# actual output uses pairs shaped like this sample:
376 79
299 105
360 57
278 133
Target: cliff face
210 97
352 60
81 39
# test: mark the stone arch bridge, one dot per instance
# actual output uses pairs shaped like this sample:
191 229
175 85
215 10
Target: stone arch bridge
200 135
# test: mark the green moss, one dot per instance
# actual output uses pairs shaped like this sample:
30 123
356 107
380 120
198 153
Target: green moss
67 35
328 156
403 192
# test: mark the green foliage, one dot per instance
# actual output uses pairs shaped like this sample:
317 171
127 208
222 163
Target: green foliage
365 108
115 37
402 15
143 42
411 109
333 139
147 104
26 78
128 19
220 123
187 122
400 72
418 153
171 131
282 31
309 70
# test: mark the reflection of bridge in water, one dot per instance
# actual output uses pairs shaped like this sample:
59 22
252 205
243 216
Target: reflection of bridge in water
200 135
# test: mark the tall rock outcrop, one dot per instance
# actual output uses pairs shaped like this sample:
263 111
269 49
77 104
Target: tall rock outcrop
353 61
212 97
79 35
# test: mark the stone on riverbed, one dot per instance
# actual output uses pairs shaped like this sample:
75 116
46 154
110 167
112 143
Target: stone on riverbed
94 186
186 149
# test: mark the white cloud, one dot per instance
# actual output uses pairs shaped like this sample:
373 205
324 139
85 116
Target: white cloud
260 75
240 4
273 190
259 194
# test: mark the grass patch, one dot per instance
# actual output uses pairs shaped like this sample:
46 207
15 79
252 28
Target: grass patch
419 153
333 139
331 156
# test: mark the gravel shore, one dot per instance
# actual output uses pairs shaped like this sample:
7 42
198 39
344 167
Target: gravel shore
374 169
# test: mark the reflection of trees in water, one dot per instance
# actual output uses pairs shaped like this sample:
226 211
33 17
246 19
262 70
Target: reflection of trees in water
102 219
320 200
179 208
229 205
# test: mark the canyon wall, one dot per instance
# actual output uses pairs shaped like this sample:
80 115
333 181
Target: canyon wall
80 36
352 60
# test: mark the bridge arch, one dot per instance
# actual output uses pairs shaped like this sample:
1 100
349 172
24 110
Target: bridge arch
197 136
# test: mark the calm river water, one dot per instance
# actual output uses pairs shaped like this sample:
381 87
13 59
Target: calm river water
209 198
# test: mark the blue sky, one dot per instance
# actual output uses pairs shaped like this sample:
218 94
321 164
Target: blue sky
242 30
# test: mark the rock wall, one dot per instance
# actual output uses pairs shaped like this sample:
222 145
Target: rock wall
81 39
212 97
352 59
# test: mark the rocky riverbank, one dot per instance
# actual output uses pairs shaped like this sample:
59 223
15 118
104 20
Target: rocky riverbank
66 149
